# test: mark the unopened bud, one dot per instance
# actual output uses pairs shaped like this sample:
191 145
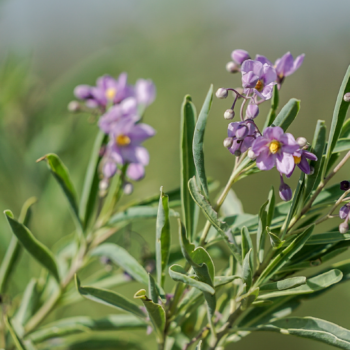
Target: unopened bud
73 106
343 227
301 141
344 212
252 111
128 188
285 192
347 97
239 56
345 185
231 67
229 114
228 142
251 155
241 132
221 93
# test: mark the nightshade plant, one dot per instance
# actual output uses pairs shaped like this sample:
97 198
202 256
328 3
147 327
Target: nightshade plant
263 279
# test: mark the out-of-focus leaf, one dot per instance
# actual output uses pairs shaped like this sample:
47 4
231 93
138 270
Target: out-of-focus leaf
13 251
136 213
317 148
177 273
79 324
61 174
90 188
108 298
199 345
342 145
261 233
312 328
247 274
345 130
287 114
232 205
16 339
274 105
35 248
198 142
155 312
246 245
190 210
284 284
339 114
123 259
282 258
162 237
152 288
328 196
312 285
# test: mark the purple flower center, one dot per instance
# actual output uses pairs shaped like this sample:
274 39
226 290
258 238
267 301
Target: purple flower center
274 146
122 140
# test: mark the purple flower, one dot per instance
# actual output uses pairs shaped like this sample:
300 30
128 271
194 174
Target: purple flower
300 159
242 134
145 91
275 147
127 109
258 78
285 192
107 90
286 65
239 56
252 111
344 211
125 147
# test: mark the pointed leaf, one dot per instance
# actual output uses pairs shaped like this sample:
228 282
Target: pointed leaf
35 248
247 270
270 208
246 245
287 114
108 298
198 142
275 241
123 259
190 210
152 288
261 233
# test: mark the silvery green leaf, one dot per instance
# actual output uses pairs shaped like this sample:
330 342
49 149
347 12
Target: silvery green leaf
327 238
122 258
246 245
270 208
261 233
155 312
35 248
345 130
284 284
162 237
274 105
247 274
152 289
190 210
342 145
275 241
198 142
287 114
232 205
108 298
312 328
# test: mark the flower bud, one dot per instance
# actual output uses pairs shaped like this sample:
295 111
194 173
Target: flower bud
239 56
312 170
252 111
251 154
221 93
128 188
347 97
228 142
73 106
103 185
285 192
344 212
237 153
82 92
345 185
241 132
231 67
301 141
109 169
343 227
229 114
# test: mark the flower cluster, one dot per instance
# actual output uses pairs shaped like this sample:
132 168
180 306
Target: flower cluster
122 105
273 147
344 212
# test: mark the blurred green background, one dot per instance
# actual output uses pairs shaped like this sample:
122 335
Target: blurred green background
49 47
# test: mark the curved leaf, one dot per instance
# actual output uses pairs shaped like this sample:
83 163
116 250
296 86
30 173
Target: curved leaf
287 114
35 248
284 284
16 339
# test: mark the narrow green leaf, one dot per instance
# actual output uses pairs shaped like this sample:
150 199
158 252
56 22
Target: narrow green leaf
345 130
35 248
317 148
190 210
155 312
14 249
198 142
16 339
246 245
162 237
270 208
232 205
152 288
312 285
261 233
80 324
222 280
249 298
123 259
199 345
312 328
274 105
339 114
342 145
284 284
61 174
327 238
287 114
282 258
275 241
179 274
247 274
90 188
108 298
